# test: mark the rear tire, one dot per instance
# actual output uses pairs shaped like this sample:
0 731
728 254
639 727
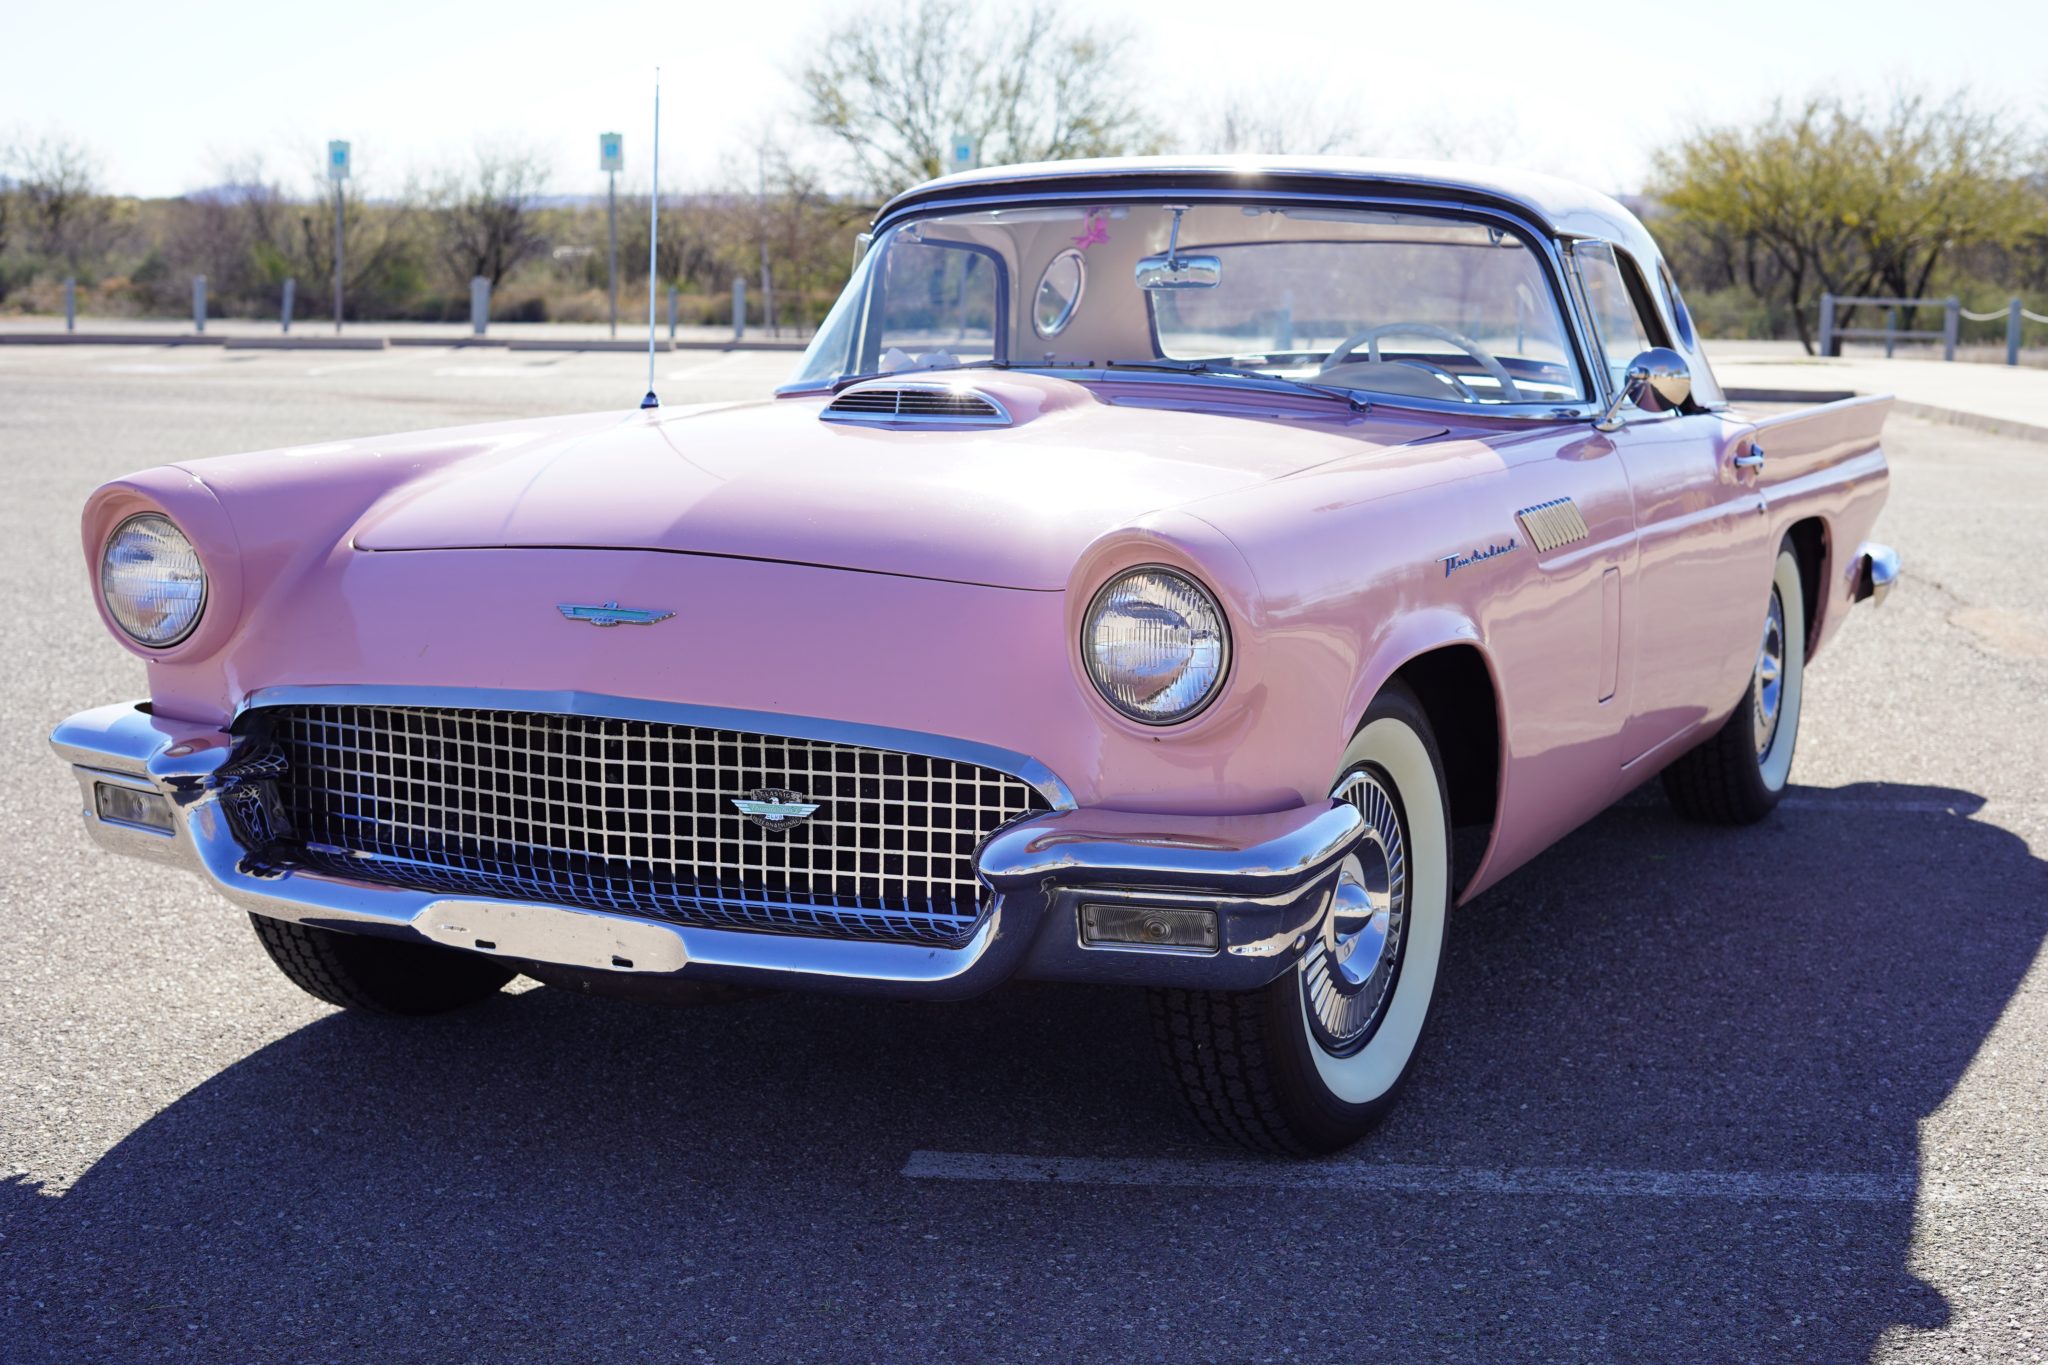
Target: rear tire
1314 1061
1736 776
377 975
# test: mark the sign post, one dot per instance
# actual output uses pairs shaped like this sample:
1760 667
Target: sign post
962 153
611 159
337 171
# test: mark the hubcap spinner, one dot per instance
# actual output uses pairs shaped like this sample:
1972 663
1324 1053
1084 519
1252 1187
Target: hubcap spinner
1347 975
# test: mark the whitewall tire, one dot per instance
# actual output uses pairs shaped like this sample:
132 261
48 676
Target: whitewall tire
1736 776
1315 1060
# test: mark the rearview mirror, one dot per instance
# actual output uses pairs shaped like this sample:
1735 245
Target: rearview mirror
1171 271
1656 381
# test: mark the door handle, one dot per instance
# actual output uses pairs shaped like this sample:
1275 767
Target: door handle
1753 460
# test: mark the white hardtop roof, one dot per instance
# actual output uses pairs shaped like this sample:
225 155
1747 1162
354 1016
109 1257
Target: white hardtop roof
1567 209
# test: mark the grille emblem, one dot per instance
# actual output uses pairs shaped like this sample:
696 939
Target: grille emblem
611 614
775 808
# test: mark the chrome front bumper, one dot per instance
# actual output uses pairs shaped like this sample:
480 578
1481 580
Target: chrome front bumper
1268 879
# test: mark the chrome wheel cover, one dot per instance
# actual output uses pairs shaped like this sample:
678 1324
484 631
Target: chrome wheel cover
1768 693
1348 973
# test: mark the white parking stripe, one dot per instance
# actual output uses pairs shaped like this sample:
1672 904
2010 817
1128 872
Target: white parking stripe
1378 1177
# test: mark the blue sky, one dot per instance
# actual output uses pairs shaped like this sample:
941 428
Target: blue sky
168 96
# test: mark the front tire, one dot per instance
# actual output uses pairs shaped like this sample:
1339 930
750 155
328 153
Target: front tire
1314 1061
1737 776
377 975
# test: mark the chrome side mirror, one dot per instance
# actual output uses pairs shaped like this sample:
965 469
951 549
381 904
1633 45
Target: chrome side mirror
1656 381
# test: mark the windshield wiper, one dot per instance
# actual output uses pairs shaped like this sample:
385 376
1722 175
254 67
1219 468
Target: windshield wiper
1357 402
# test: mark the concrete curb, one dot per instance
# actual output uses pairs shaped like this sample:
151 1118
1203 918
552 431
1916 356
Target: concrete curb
1975 421
109 339
452 344
570 344
792 346
1926 412
286 343
377 343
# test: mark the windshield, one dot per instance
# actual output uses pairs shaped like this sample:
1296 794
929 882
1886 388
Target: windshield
1402 304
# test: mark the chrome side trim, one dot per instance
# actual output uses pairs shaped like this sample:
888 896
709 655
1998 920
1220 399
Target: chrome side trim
1554 524
1023 768
1876 569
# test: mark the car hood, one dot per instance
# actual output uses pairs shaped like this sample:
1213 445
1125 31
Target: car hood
1010 506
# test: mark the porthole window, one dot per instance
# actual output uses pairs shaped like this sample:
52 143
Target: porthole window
1059 293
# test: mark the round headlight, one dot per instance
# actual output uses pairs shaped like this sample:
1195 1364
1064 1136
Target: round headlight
1155 644
152 581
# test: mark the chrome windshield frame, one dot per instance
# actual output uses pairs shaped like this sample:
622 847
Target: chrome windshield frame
1591 376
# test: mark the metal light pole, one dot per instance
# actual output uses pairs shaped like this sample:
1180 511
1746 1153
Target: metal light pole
337 258
611 158
337 171
611 256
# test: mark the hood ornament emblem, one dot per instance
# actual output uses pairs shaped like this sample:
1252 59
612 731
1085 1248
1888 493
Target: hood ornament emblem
775 808
611 614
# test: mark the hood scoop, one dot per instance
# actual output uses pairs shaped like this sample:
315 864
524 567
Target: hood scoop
917 402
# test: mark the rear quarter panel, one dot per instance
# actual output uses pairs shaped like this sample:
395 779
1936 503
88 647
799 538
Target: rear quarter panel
1827 463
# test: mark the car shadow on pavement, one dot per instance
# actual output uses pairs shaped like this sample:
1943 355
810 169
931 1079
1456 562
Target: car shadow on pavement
558 1176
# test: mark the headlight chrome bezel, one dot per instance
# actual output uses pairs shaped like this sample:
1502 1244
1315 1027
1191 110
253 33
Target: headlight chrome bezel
107 600
1197 589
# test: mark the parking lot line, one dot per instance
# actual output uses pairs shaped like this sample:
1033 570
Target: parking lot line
1379 1177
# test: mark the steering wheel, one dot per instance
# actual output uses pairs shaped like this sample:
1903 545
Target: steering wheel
1370 339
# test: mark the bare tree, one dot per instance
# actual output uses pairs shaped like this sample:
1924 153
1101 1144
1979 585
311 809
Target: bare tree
7 213
896 85
686 253
484 218
1280 121
381 243
65 215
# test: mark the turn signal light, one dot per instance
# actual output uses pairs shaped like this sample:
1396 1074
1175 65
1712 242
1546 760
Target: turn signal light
1140 926
127 806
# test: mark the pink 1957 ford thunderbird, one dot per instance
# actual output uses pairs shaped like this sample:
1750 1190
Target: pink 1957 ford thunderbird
1190 574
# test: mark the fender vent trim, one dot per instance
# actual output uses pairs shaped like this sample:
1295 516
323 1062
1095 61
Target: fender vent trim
898 402
1554 524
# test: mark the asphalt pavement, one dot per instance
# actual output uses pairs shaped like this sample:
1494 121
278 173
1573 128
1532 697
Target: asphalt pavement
1690 1094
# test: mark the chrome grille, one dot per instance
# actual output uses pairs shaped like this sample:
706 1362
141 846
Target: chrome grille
637 818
